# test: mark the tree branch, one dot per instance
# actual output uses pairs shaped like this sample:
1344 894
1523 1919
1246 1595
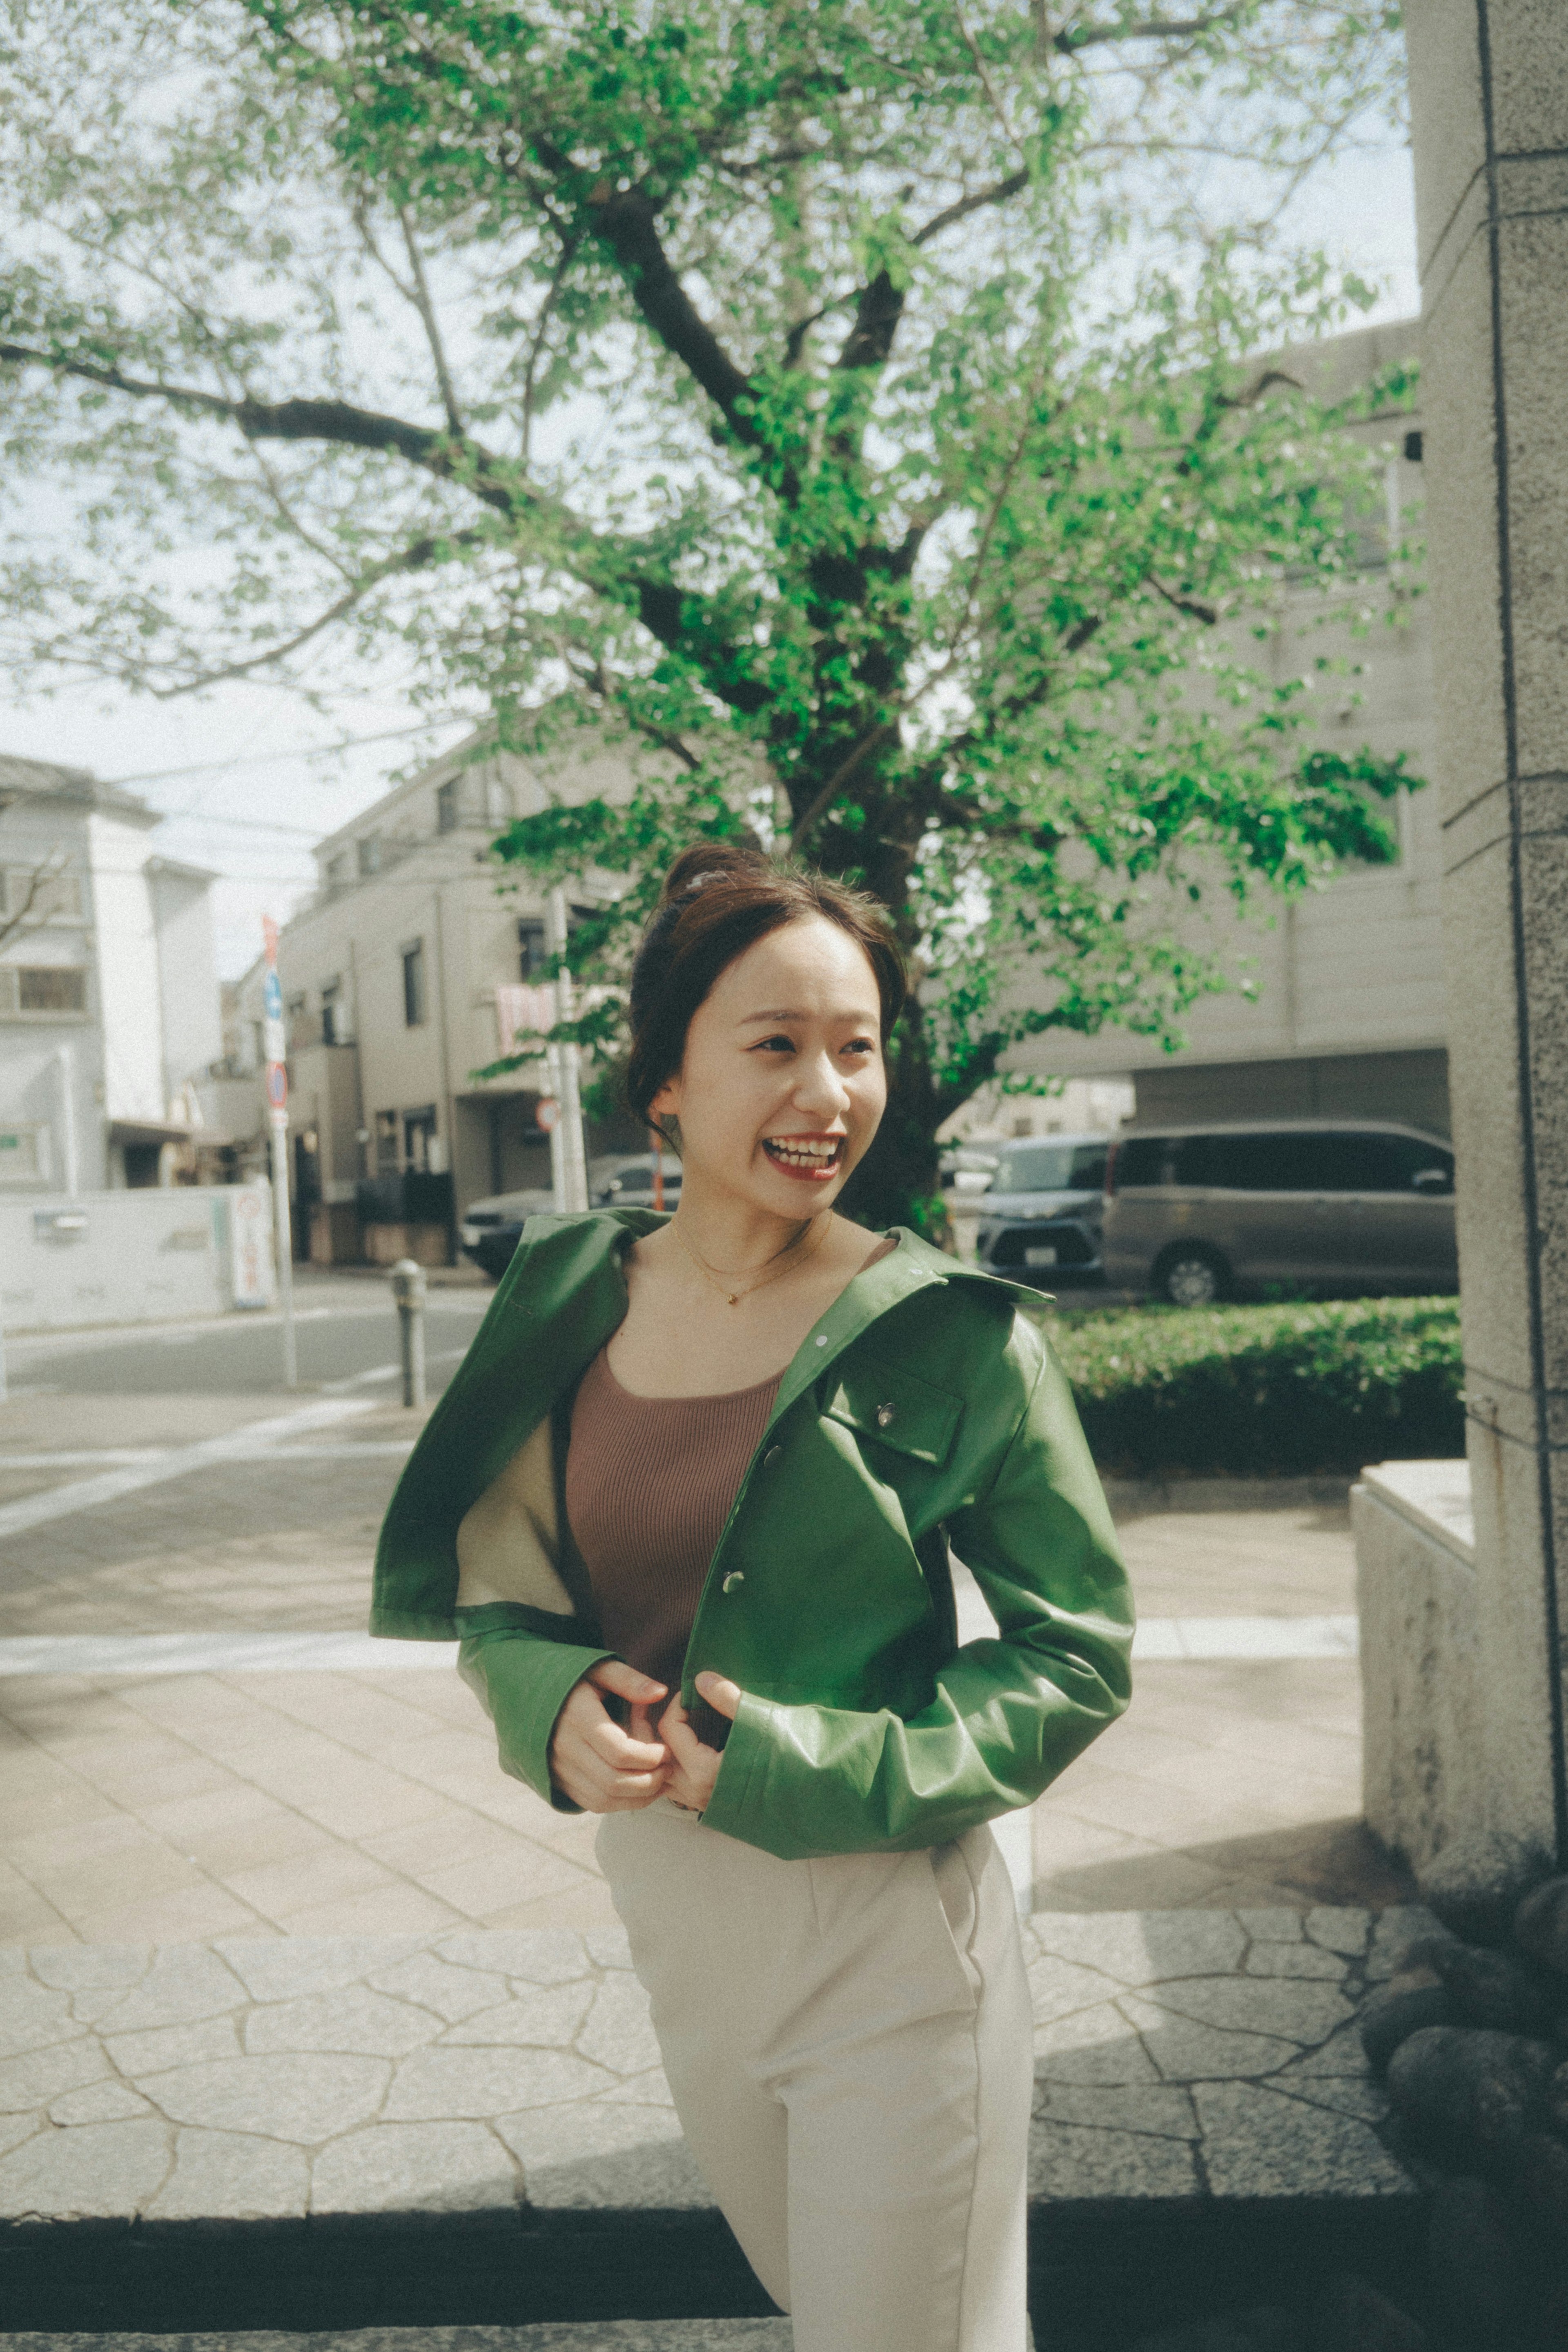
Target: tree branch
1190 605
413 558
1152 29
53 865
996 194
426 309
873 742
624 221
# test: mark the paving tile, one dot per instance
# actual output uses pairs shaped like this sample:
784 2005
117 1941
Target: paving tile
98 2102
1068 2161
182 1985
396 1910
544 2017
299 1882
353 2020
97 2172
597 2156
178 1914
39 2075
164 2046
288 1969
431 2167
1092 2046
1259 2144
32 2016
232 2177
1138 1948
539 1958
482 2083
452 1987
91 1968
284 2097
25 1916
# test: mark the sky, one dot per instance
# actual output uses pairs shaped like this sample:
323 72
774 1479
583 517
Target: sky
247 776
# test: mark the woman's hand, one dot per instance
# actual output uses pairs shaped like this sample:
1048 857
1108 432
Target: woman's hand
694 1767
600 1767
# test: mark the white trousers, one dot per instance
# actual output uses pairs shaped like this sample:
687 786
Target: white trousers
849 2046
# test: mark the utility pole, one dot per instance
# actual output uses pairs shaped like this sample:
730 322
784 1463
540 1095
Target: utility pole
275 1047
569 1155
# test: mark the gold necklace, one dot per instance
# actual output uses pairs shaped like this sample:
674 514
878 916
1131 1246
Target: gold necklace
734 1298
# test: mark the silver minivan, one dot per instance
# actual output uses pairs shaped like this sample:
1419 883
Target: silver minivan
1195 1213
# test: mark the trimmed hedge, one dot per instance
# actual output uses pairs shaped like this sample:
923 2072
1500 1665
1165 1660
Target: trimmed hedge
1266 1391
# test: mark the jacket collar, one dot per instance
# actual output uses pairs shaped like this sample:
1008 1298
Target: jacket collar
585 1309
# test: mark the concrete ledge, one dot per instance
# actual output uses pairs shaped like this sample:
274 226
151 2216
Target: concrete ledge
475 2126
1419 1607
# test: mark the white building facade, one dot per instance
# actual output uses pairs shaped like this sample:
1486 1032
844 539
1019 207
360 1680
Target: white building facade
407 974
109 991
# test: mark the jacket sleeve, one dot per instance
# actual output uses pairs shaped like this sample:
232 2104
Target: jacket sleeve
522 1681
1009 1712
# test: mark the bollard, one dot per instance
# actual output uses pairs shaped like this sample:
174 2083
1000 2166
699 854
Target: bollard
408 1289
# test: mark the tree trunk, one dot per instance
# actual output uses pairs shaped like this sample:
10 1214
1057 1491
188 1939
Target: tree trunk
897 1183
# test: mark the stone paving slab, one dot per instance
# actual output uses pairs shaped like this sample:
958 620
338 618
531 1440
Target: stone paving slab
1199 2055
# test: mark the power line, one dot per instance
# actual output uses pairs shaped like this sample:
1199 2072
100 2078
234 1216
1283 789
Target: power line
270 759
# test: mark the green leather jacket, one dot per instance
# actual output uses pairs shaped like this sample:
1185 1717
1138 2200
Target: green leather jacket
922 1408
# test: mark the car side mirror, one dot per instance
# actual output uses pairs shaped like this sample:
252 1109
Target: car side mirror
1432 1180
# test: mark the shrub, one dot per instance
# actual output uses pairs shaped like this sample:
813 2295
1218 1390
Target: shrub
1267 1391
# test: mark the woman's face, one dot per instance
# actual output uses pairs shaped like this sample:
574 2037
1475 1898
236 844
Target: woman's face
783 1084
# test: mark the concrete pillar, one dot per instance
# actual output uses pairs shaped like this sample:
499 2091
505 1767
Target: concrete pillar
1489 94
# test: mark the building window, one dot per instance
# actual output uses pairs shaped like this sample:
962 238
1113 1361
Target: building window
413 984
386 1143
420 1150
370 854
338 871
533 952
446 807
331 1015
43 988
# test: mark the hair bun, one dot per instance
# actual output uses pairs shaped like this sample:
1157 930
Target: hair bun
710 861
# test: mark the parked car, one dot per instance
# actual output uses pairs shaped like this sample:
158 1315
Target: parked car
625 1180
491 1229
1040 1214
1196 1213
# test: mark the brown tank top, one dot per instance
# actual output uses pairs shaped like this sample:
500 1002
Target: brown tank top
649 1483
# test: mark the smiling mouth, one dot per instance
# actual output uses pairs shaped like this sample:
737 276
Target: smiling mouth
814 1158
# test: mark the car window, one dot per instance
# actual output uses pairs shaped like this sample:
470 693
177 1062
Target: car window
1289 1160
1165 1159
1363 1162
1050 1167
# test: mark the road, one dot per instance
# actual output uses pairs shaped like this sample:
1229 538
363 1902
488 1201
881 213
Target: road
347 1336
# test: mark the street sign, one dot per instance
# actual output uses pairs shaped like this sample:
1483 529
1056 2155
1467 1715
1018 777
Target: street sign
547 1113
271 995
277 1085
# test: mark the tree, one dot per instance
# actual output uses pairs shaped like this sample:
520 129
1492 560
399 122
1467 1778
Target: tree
853 411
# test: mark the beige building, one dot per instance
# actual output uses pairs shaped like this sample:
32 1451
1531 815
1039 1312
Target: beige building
1347 1018
408 972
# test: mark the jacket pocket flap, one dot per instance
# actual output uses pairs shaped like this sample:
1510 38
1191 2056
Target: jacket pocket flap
897 1409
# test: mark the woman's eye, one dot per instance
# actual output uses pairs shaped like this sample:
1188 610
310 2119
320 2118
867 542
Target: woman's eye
774 1045
861 1045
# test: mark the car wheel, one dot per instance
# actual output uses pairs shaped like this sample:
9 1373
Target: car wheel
1191 1275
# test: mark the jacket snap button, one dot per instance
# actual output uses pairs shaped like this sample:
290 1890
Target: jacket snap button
884 1415
774 1454
822 1339
736 1576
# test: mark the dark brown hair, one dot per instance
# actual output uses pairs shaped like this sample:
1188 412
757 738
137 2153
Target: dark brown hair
719 899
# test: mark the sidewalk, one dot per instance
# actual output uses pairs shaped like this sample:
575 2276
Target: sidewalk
169 1807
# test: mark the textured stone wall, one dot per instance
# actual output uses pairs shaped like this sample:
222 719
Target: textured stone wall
1489 95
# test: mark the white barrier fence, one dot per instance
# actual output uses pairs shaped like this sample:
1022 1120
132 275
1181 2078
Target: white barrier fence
151 1257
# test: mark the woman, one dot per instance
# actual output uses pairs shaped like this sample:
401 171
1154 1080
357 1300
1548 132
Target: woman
688 1502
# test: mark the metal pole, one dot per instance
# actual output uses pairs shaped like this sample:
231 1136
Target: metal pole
64 1063
285 1243
572 1163
408 1289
